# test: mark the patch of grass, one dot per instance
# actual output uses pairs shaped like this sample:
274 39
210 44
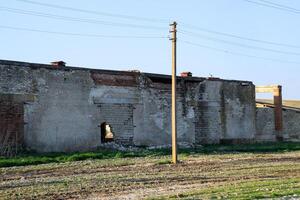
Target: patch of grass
36 159
164 162
258 189
259 147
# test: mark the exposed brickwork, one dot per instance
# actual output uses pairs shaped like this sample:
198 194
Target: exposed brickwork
207 122
208 125
120 118
71 103
265 124
114 80
11 127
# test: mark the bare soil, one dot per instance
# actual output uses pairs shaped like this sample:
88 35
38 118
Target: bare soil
140 178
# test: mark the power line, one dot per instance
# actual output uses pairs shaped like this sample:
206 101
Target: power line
238 44
238 36
95 12
280 5
275 6
238 54
66 18
135 18
161 20
73 19
81 34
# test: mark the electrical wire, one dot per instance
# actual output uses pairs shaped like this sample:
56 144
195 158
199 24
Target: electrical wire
280 5
93 21
238 54
81 34
73 19
95 12
238 44
275 6
238 36
162 20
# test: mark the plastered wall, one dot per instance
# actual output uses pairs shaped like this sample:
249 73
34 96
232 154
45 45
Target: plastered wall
71 103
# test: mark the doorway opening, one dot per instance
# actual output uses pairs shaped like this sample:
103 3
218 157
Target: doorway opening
107 134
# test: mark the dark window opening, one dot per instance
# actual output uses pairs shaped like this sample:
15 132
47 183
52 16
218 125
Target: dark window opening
107 134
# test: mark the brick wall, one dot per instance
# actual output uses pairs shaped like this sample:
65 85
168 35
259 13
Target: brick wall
265 125
11 127
120 118
70 104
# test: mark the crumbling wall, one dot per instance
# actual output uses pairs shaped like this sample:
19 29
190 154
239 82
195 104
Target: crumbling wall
153 116
115 106
225 112
208 119
266 126
11 125
71 103
291 124
238 114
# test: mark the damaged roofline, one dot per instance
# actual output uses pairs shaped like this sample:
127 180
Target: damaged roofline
115 72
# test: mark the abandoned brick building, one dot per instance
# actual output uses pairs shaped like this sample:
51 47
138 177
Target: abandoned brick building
54 108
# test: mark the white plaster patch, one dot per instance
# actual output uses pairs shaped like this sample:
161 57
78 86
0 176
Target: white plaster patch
158 119
190 113
113 94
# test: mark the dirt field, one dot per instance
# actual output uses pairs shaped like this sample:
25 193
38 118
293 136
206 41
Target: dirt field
228 176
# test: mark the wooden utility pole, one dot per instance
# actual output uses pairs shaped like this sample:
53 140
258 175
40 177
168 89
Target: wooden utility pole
174 120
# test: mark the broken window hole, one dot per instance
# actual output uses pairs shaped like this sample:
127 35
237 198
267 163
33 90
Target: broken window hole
107 134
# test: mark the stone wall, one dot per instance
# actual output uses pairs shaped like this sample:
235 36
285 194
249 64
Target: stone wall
266 126
71 104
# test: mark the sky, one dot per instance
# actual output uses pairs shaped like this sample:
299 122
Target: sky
230 39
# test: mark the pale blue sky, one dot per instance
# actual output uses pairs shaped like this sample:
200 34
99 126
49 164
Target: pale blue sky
237 17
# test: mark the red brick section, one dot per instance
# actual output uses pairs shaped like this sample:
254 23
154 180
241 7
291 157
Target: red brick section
186 74
11 127
58 64
115 79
